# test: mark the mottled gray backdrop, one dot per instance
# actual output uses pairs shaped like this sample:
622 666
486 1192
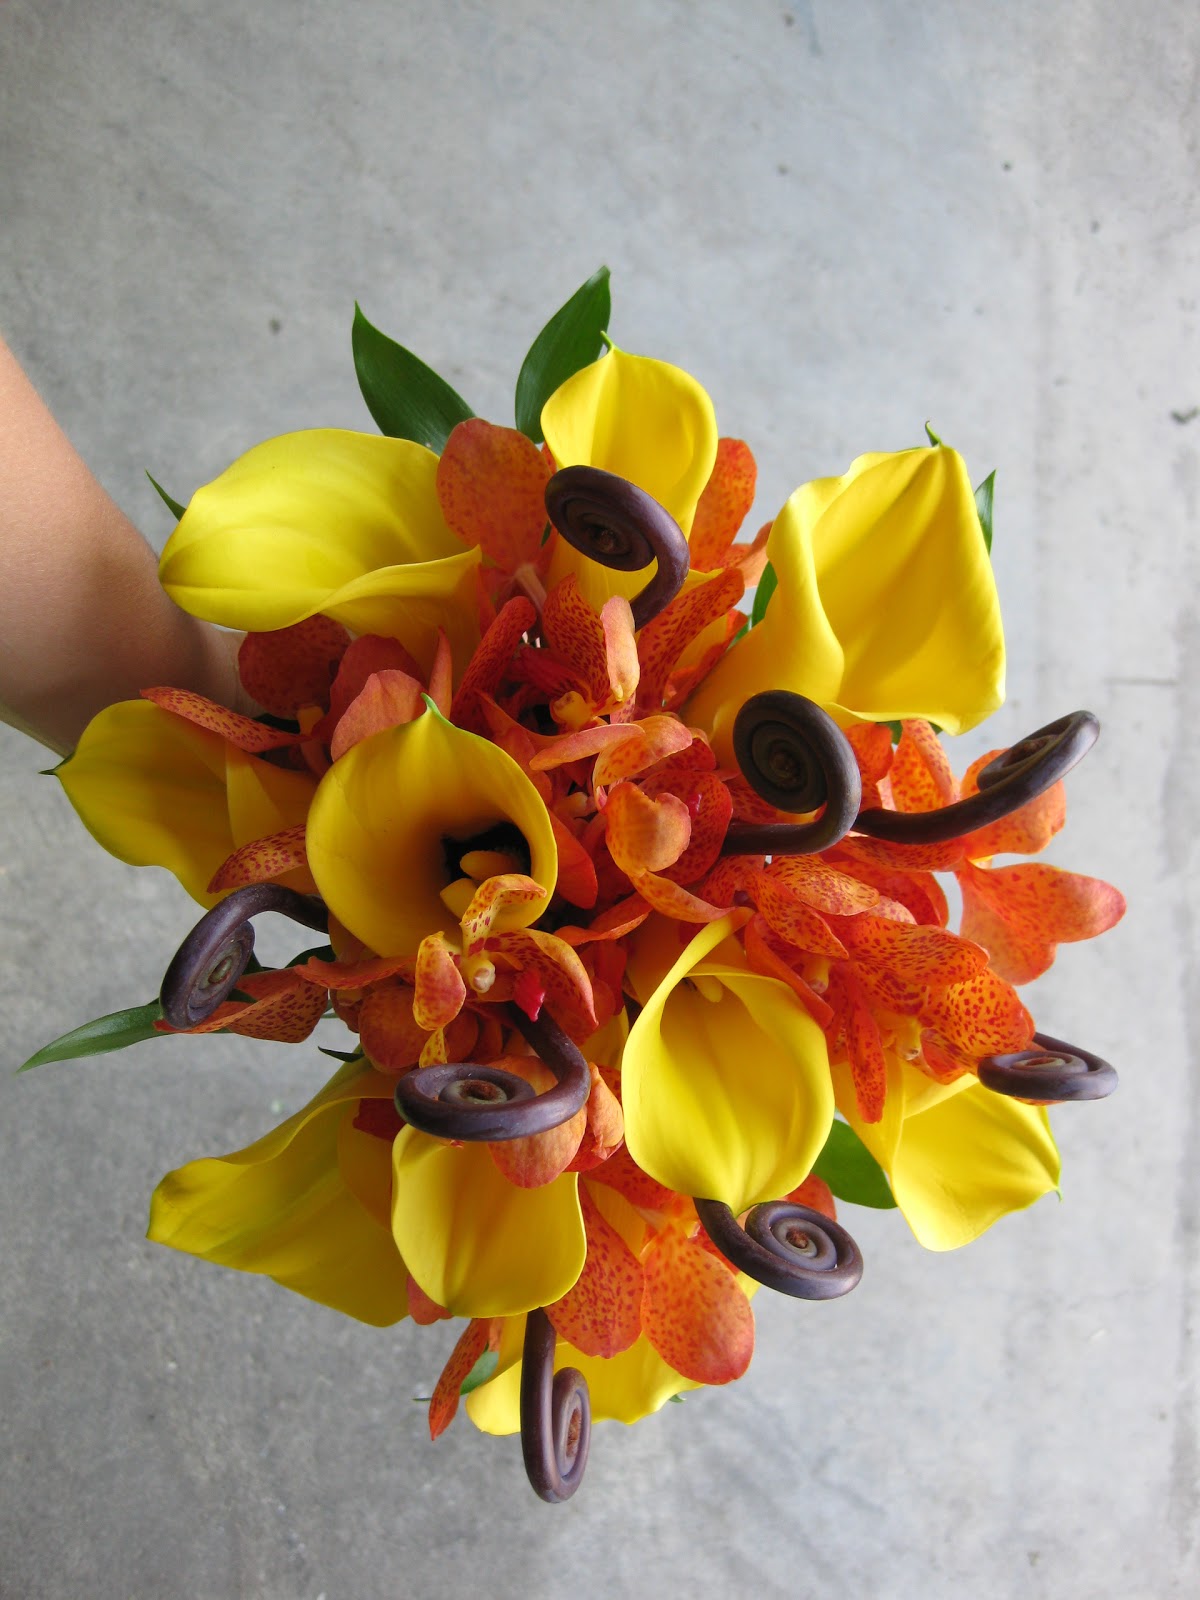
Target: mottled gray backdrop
845 218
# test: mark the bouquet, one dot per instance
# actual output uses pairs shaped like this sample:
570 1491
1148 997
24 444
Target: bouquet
628 899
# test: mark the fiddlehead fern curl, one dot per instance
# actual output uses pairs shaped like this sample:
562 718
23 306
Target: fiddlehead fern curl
556 1415
786 1246
206 968
618 525
1054 1072
794 756
464 1100
1006 784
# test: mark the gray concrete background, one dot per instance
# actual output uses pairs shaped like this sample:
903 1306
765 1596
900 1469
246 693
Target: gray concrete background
844 218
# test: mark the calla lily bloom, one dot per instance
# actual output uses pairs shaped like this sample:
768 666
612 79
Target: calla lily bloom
886 605
344 524
725 1076
395 817
476 1243
157 790
644 420
958 1156
307 1205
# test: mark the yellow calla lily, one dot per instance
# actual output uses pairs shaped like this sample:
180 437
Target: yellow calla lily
959 1156
886 604
622 1388
725 1077
387 813
307 1205
347 524
644 420
477 1244
156 790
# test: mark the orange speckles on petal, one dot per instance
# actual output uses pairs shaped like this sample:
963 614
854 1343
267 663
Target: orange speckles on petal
789 917
440 990
645 834
724 504
575 634
283 1006
664 640
292 667
920 774
602 1314
490 663
491 484
920 955
864 1047
244 732
1021 914
262 860
444 1404
980 1017
693 1311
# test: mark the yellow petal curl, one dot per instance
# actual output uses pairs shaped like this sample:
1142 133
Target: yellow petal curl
329 521
380 815
645 420
886 603
477 1244
306 1206
725 1078
959 1156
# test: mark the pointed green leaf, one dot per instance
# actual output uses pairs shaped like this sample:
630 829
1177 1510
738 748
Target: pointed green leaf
341 1055
573 338
933 437
766 588
851 1171
984 497
114 1032
481 1371
407 399
172 505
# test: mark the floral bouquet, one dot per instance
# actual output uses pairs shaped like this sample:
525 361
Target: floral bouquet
631 898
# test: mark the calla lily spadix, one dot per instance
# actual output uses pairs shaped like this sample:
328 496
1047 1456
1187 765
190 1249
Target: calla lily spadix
609 992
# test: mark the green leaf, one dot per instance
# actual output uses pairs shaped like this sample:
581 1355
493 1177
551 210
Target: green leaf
676 1399
896 729
114 1032
407 399
984 496
341 1055
573 338
171 505
481 1371
766 588
851 1171
933 437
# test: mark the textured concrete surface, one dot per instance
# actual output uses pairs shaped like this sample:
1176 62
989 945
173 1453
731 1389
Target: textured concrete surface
844 219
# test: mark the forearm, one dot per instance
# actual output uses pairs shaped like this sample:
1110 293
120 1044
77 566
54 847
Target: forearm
83 620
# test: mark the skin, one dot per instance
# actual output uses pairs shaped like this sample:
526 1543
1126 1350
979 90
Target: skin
83 620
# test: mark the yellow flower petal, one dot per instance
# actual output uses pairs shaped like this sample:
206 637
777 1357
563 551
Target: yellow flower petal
725 1079
150 788
283 1207
263 799
959 1156
622 1388
381 816
886 604
476 1243
327 520
646 421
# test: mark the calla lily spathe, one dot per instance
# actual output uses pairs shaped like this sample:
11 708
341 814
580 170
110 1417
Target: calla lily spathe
644 420
346 524
725 1077
885 608
307 1205
958 1156
382 816
156 790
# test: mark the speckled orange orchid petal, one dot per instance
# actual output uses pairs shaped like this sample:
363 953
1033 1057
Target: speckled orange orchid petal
722 508
622 1174
440 990
982 1016
749 559
602 1314
443 1404
391 1036
357 973
918 892
561 975
604 1129
902 857
694 1312
1021 914
651 740
1023 832
873 750
644 834
541 1157
920 774
367 655
575 634
283 1007
770 963
287 668
790 917
710 807
620 649
577 882
487 667
822 887
921 955
864 1047
388 699
491 484
495 898
244 732
699 605
262 860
